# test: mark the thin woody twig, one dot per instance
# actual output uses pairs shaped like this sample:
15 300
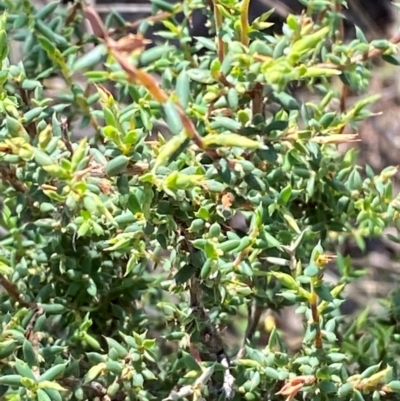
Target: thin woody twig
257 99
64 133
95 387
218 27
30 127
244 19
362 57
210 334
188 390
9 176
13 292
134 25
253 318
229 380
136 74
316 320
37 312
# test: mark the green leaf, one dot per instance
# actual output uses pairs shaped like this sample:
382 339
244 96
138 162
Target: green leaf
345 389
7 348
122 352
23 369
137 380
231 140
90 59
53 309
91 287
29 354
287 280
226 123
149 343
151 55
206 42
271 373
285 194
42 158
117 165
381 44
394 386
317 72
277 125
32 114
42 395
79 154
336 356
307 43
201 76
172 117
94 372
51 385
327 386
391 59
169 149
183 89
53 373
11 380
271 241
323 292
311 270
4 49
184 274
47 10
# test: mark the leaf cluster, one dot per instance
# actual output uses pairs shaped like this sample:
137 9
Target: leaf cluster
120 265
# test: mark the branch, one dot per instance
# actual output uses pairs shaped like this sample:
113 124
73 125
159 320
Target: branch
134 25
244 19
253 319
13 292
361 57
9 176
118 50
64 133
218 27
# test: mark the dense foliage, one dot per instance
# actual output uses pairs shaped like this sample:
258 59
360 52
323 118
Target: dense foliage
123 275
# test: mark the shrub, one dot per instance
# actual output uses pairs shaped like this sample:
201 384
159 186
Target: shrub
120 266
